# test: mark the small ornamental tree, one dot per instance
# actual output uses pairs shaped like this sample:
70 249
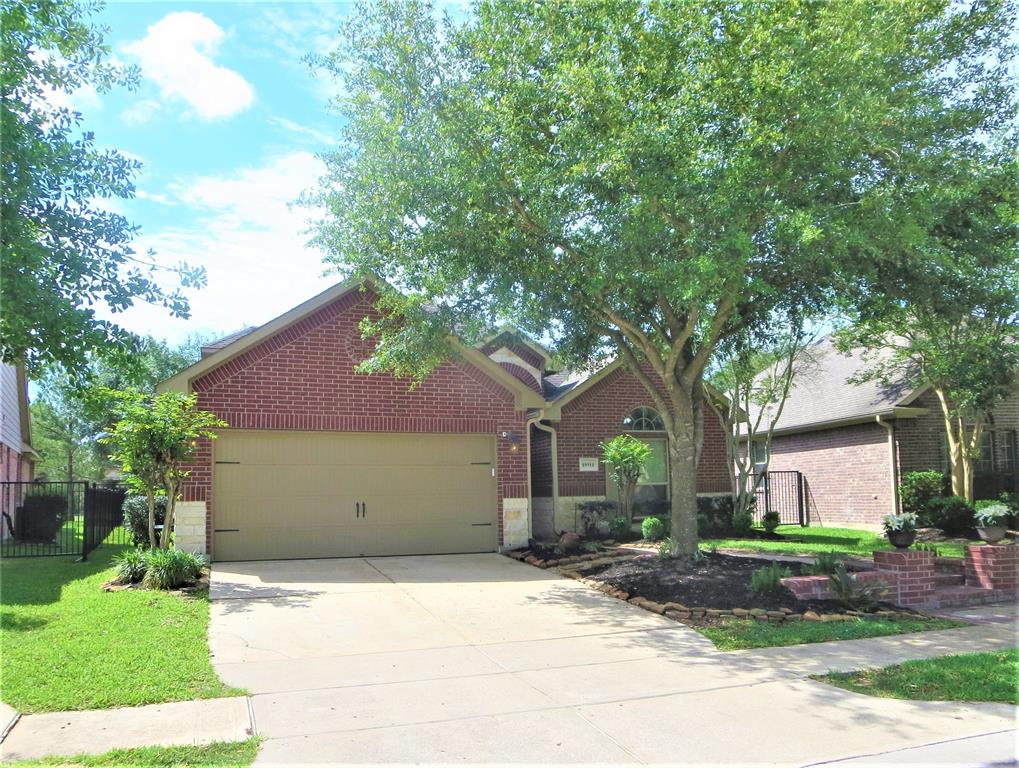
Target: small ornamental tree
626 457
153 441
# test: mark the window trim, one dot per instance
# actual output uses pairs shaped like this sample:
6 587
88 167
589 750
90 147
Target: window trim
630 422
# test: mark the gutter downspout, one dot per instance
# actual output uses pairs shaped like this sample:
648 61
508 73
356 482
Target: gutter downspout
536 421
892 463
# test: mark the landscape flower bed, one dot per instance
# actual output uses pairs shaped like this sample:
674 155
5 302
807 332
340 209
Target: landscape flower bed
715 588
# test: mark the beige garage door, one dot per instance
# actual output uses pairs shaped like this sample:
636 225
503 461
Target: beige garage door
327 494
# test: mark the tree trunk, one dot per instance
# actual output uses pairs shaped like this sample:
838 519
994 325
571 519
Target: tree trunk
683 452
171 503
151 496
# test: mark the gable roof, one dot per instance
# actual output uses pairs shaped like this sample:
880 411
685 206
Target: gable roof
824 396
517 336
524 396
214 346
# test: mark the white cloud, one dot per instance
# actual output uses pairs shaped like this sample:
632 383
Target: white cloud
177 54
252 243
140 112
317 136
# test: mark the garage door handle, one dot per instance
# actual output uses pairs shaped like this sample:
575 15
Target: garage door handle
481 525
364 509
357 506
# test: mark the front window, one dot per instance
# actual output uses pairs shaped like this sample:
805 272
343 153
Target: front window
644 419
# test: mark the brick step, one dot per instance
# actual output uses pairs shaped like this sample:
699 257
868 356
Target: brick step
957 597
949 580
949 565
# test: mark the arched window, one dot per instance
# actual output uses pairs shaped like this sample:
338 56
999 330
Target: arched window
644 419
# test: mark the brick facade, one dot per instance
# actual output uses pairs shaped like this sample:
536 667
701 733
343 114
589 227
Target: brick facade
303 378
846 472
597 415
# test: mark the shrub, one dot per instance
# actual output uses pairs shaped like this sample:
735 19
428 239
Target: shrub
771 521
918 489
136 517
824 564
42 516
928 547
652 528
171 568
131 566
952 514
849 593
714 516
665 547
594 512
992 515
768 578
619 528
742 523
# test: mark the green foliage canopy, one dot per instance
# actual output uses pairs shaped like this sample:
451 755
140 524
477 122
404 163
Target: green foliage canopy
62 251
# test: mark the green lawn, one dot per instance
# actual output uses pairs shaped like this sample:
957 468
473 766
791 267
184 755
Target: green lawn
967 677
807 541
738 634
240 753
66 644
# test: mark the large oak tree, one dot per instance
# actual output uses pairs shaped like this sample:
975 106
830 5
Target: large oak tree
642 178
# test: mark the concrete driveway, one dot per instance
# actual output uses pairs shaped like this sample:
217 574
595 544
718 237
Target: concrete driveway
478 658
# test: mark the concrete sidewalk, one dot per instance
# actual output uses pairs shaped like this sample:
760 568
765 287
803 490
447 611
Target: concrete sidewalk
100 730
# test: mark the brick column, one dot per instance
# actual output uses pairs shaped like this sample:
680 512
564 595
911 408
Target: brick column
914 575
993 566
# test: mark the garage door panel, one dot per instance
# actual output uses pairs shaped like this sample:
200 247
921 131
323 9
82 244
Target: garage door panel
288 495
358 448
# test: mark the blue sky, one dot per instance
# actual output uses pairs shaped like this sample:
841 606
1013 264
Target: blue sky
228 122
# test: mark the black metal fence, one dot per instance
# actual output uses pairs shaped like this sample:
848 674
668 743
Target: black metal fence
41 519
781 491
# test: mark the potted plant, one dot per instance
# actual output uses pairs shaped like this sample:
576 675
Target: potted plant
991 522
901 529
770 521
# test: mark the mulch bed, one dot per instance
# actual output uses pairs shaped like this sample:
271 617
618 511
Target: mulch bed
715 581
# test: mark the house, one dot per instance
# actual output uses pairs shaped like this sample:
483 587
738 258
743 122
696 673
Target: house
852 442
17 458
322 461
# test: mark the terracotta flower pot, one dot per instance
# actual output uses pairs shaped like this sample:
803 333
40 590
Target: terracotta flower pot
992 534
901 539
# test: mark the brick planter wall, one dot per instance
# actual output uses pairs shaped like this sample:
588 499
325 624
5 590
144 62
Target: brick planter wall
993 566
809 588
914 571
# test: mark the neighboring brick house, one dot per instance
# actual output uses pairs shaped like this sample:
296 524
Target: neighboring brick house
321 461
852 442
17 458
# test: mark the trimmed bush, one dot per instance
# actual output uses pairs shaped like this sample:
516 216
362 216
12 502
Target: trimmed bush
918 489
952 514
136 517
171 568
620 529
653 528
131 566
742 523
41 517
768 578
771 521
714 516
